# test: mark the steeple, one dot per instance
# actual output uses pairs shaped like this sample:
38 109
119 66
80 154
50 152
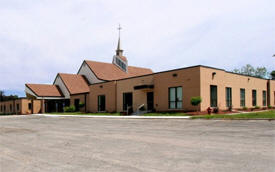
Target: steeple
119 60
119 52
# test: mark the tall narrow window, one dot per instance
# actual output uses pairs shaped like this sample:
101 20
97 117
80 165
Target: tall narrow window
228 91
101 103
254 98
17 106
213 96
264 98
242 97
10 108
175 98
30 106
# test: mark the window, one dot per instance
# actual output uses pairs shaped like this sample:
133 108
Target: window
30 106
213 96
264 98
17 107
10 108
4 108
254 98
1 108
127 101
242 97
175 98
228 91
101 103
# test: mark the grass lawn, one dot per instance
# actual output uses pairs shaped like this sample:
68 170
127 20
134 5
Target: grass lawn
254 115
165 114
81 113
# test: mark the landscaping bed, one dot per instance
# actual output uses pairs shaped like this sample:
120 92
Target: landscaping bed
254 115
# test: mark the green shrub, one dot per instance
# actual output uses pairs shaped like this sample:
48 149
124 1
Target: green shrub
81 104
244 108
269 106
195 101
69 108
257 107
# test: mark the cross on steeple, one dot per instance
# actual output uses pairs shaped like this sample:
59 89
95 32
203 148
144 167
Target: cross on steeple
119 51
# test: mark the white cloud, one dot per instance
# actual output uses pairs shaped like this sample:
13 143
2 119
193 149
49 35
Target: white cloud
40 38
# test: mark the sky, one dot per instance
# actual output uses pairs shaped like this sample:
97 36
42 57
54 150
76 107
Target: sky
39 39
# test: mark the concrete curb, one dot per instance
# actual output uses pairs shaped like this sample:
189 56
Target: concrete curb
117 117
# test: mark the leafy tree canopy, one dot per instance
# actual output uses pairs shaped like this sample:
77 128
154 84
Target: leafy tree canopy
249 70
3 97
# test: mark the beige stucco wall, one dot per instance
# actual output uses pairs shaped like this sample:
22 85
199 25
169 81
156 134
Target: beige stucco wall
107 89
272 92
188 79
225 79
195 81
23 106
139 96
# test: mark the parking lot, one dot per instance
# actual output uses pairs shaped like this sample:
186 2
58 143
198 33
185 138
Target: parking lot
38 143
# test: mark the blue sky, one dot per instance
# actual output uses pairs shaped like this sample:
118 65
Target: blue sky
41 38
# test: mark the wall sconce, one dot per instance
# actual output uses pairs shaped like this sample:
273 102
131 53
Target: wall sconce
248 79
213 74
101 86
175 75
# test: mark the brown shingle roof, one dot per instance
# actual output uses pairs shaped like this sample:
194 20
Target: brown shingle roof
109 71
45 90
76 84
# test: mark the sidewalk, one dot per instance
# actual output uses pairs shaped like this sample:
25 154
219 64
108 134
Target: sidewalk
119 117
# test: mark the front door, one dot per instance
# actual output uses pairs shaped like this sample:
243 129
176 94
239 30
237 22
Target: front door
76 104
101 103
150 101
127 101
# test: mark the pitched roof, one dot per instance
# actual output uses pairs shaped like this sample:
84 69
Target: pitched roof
109 71
76 84
45 90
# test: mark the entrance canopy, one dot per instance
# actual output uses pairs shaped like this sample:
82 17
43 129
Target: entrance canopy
43 91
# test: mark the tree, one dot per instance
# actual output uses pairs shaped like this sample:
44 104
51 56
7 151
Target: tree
1 95
272 74
261 72
195 101
249 70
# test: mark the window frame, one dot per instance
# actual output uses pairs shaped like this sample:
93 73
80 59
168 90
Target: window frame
228 100
176 101
211 98
254 99
242 99
264 97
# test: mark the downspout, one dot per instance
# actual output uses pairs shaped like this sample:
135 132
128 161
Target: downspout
85 102
116 95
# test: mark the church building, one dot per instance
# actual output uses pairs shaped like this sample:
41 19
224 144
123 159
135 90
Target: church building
118 87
